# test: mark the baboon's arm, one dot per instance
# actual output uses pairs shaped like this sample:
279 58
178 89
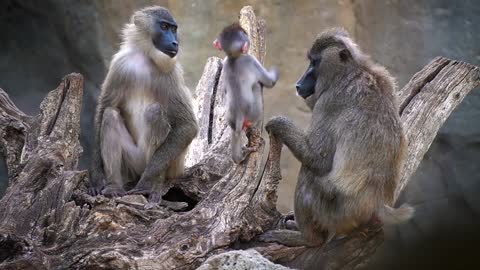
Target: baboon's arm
293 137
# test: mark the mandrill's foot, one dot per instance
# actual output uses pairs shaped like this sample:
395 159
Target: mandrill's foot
140 190
97 183
113 191
143 187
152 192
155 197
95 191
154 200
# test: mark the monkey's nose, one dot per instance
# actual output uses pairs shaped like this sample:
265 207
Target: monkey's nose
175 44
298 87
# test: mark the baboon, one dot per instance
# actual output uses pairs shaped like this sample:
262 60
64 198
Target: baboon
353 151
244 77
144 119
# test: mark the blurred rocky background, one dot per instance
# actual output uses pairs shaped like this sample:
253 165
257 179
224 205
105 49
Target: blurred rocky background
41 41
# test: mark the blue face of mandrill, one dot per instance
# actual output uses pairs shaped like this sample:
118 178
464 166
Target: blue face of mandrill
164 36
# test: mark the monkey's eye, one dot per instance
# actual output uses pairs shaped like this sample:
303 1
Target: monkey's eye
174 29
164 26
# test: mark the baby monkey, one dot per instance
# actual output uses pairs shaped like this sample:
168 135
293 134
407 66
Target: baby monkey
244 76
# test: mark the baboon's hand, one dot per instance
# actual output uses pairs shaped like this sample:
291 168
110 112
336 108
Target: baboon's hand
275 124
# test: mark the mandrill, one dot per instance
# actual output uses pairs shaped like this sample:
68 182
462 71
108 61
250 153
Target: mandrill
144 120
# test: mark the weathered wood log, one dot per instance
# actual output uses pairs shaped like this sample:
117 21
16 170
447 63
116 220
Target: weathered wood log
47 221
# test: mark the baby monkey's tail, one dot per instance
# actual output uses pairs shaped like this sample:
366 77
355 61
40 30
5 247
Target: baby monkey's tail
390 215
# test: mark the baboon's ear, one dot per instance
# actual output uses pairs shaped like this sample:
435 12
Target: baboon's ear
345 55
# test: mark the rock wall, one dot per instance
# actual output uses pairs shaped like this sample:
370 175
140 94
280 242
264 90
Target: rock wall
44 40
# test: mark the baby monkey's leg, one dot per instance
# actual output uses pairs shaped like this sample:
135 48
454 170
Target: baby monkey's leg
254 116
239 151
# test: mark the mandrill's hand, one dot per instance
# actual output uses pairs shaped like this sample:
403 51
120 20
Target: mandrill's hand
97 183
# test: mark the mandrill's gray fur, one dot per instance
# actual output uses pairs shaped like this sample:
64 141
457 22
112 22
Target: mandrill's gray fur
353 151
144 120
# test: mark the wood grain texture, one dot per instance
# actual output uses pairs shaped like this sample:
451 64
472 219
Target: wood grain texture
48 221
427 101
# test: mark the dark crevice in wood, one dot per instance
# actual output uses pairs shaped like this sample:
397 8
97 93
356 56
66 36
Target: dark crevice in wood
11 247
196 183
212 105
65 88
425 81
176 194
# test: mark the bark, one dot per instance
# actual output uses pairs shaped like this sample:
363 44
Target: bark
47 221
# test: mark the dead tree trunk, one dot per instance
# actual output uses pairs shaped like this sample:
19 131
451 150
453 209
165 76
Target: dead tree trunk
47 221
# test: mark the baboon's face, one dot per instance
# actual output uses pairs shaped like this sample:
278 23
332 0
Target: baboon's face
306 84
327 58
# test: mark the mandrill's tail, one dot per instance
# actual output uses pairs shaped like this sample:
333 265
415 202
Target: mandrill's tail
390 215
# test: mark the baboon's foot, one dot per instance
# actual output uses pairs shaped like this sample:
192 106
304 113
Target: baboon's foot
374 225
287 238
288 222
